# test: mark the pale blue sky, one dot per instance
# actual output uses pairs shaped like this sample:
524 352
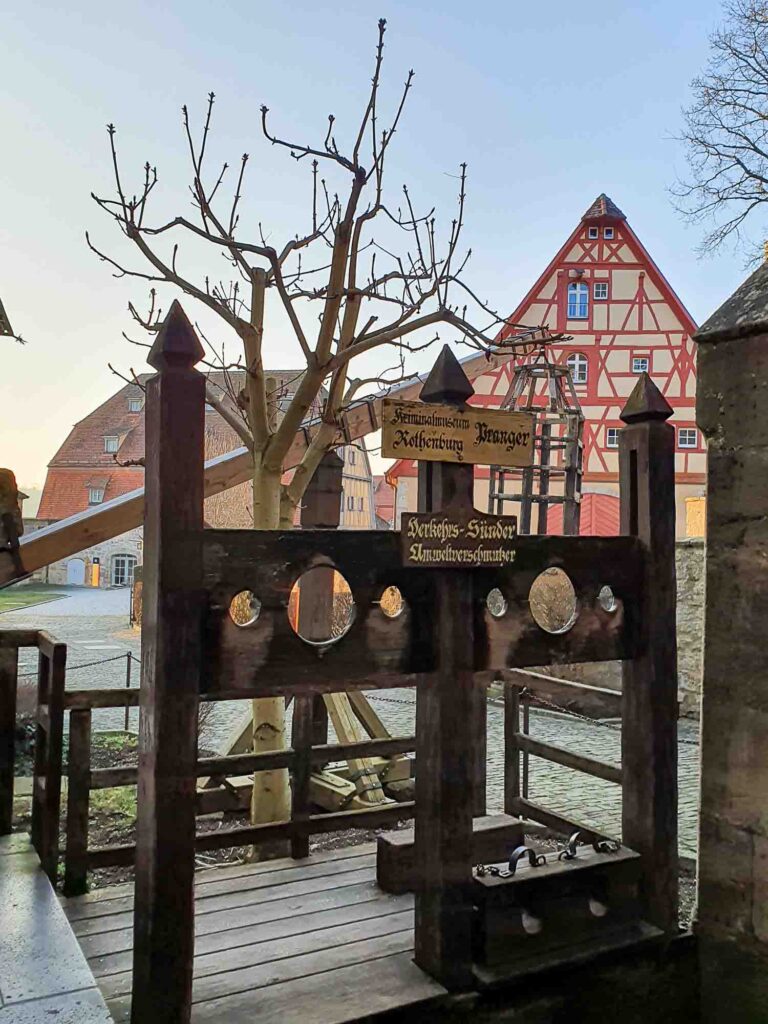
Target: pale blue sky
549 104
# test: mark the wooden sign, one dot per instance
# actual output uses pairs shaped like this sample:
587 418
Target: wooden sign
456 540
442 433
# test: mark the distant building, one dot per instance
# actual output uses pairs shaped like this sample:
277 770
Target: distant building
358 509
384 501
98 462
604 291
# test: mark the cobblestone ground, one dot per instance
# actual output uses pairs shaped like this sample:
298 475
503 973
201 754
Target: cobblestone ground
93 637
560 789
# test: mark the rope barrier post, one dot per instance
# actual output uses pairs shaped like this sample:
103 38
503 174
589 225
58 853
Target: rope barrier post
127 722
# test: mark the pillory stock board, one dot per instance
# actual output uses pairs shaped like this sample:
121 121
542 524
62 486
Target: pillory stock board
441 433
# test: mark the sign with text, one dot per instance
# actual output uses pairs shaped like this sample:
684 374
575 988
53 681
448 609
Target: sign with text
455 540
441 433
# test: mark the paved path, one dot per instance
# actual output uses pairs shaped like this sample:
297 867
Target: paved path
105 634
572 793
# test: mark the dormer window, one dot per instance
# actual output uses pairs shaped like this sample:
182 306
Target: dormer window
578 300
607 232
95 495
134 405
111 444
592 232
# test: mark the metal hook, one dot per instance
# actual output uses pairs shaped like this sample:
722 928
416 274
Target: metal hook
536 860
569 853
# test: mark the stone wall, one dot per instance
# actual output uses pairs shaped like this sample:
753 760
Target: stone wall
126 544
690 622
690 635
732 412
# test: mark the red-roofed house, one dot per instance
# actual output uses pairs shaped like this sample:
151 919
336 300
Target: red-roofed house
97 462
603 289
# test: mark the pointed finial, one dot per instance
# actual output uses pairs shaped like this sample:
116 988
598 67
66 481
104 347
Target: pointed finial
176 345
645 403
447 381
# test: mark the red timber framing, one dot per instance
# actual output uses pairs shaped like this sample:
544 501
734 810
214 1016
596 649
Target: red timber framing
446 643
640 317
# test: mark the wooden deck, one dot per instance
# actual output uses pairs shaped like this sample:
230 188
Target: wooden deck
313 941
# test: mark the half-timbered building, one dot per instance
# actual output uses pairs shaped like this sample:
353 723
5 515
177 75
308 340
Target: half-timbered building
620 317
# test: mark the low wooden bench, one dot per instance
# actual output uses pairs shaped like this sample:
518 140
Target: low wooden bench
494 837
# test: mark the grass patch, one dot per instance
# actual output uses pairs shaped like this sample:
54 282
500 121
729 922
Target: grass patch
26 595
119 802
117 742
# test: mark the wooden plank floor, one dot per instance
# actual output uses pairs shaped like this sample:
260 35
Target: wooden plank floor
313 941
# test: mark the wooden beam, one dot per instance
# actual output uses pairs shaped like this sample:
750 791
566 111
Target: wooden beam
78 800
8 684
450 780
172 609
567 758
95 525
649 687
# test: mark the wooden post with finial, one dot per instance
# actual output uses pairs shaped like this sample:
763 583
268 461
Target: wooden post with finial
447 725
444 484
171 660
649 713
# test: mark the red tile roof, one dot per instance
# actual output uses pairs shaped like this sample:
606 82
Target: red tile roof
66 490
599 516
81 461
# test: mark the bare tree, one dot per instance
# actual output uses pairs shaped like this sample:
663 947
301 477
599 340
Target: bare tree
343 291
726 131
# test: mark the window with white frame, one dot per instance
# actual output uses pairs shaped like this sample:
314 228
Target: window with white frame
641 364
578 300
611 437
687 437
578 364
607 232
350 503
111 443
95 495
600 290
123 567
134 405
352 456
359 504
592 232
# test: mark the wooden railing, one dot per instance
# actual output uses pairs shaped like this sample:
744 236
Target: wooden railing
79 858
520 687
49 729
52 701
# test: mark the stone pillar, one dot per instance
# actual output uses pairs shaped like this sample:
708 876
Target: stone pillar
732 411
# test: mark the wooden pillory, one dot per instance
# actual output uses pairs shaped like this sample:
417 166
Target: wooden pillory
446 642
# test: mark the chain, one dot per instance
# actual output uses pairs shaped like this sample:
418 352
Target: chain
85 664
594 721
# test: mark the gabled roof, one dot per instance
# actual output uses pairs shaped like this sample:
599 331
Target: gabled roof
603 206
81 461
644 256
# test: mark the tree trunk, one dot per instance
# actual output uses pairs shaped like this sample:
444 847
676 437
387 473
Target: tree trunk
270 800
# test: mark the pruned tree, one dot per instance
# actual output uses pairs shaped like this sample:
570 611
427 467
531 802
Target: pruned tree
343 291
726 132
